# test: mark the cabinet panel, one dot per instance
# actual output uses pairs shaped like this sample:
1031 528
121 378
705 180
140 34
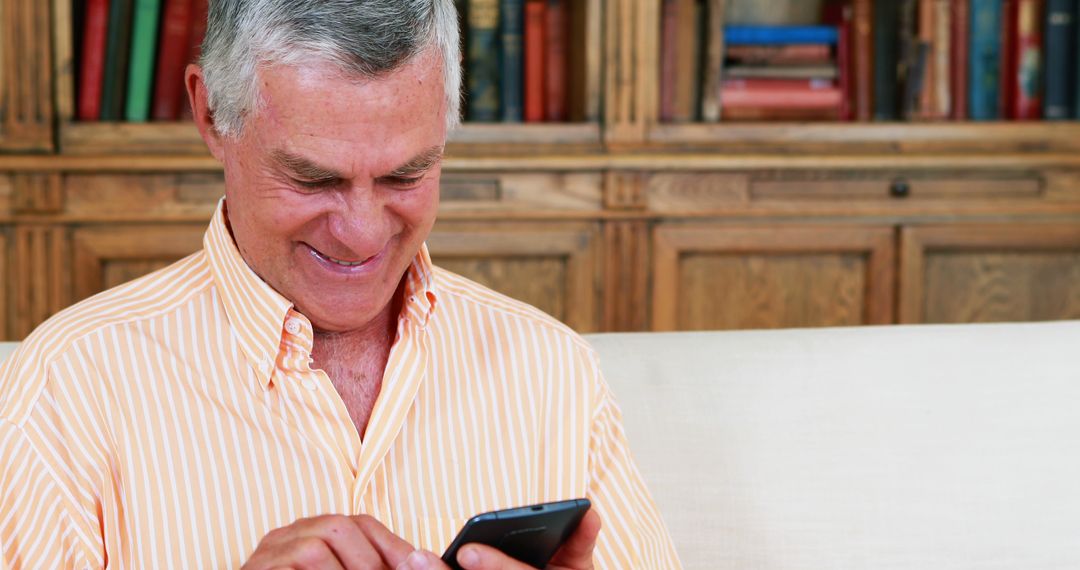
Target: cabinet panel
26 111
6 332
724 277
1008 272
107 257
552 267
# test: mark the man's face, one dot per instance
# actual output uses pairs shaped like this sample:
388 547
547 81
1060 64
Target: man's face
334 185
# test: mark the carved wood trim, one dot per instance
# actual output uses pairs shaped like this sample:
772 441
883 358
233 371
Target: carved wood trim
26 108
624 190
626 276
37 193
42 281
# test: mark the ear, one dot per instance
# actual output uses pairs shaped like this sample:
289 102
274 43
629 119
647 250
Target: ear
200 109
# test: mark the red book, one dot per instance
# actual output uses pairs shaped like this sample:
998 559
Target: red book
1009 15
535 72
1026 81
199 9
556 61
845 66
668 59
959 65
92 66
863 58
780 54
781 97
172 59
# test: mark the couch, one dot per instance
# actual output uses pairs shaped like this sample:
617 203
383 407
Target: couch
907 447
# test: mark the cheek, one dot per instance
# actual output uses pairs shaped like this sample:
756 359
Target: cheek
419 206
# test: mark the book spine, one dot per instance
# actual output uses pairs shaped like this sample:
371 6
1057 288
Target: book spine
941 99
199 9
845 67
117 50
483 60
555 60
143 54
175 29
767 98
886 41
863 58
668 58
1028 81
959 63
908 49
1076 65
1060 49
984 73
776 55
769 35
535 50
711 102
927 29
687 62
93 59
512 59
1007 86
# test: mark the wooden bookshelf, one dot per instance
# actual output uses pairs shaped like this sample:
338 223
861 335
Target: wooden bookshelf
620 223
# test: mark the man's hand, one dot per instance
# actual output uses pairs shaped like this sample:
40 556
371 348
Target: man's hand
334 542
576 554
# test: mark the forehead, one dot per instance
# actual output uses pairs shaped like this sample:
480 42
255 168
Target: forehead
354 123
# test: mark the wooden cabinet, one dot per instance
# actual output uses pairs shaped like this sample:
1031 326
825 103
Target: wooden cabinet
733 277
621 222
964 273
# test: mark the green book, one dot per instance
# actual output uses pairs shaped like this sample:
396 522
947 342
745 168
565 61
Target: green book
144 36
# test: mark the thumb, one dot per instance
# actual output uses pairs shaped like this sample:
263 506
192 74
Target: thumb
577 552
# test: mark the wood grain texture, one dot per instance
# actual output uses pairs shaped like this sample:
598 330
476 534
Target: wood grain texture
720 276
668 192
34 193
876 185
7 300
41 276
981 273
624 190
26 105
626 276
553 266
104 257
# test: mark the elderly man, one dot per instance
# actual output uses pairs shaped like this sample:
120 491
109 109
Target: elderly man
308 391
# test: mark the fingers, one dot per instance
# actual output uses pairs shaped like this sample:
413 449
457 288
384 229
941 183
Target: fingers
332 542
577 551
476 556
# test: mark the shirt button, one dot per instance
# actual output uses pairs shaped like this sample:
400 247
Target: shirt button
308 384
292 326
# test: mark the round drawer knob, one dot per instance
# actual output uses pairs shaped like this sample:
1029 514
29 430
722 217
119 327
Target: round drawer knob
900 189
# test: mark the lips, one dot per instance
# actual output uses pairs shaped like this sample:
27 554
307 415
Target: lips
336 264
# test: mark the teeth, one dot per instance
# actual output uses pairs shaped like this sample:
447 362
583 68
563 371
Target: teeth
338 261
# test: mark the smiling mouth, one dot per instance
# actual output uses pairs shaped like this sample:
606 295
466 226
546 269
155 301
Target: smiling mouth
340 262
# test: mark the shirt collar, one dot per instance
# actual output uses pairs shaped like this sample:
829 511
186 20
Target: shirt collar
257 313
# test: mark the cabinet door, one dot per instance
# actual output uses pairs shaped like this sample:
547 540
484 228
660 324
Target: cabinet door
550 266
709 277
107 257
26 111
990 273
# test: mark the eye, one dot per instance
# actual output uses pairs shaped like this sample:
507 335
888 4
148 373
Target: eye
314 184
403 181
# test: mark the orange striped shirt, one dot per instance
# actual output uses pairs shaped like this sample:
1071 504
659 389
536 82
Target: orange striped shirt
175 420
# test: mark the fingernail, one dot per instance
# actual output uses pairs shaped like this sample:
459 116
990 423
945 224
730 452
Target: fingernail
468 557
416 561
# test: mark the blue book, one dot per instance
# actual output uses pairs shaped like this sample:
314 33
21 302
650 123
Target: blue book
780 35
1059 41
984 79
512 60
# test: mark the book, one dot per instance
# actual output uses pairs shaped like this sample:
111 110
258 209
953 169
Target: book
780 114
927 31
771 35
555 32
584 61
784 71
862 59
713 61
117 53
1076 73
199 9
788 94
1007 86
779 54
143 54
886 84
512 60
941 98
984 70
688 47
92 59
959 62
176 24
841 13
483 60
1025 79
1061 32
535 50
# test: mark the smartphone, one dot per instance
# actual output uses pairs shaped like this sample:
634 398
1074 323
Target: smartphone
529 534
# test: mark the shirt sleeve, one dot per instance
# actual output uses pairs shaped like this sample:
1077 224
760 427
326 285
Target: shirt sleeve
37 529
632 533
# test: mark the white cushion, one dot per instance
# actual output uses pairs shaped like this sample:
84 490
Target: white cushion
941 447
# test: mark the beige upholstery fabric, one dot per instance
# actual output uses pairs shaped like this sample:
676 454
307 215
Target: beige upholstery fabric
941 447
945 447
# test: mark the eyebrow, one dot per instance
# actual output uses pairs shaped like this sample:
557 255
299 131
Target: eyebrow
418 164
309 170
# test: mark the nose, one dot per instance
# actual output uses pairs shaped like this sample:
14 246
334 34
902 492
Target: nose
357 221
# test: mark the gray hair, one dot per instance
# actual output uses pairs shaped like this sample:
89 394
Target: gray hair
368 38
